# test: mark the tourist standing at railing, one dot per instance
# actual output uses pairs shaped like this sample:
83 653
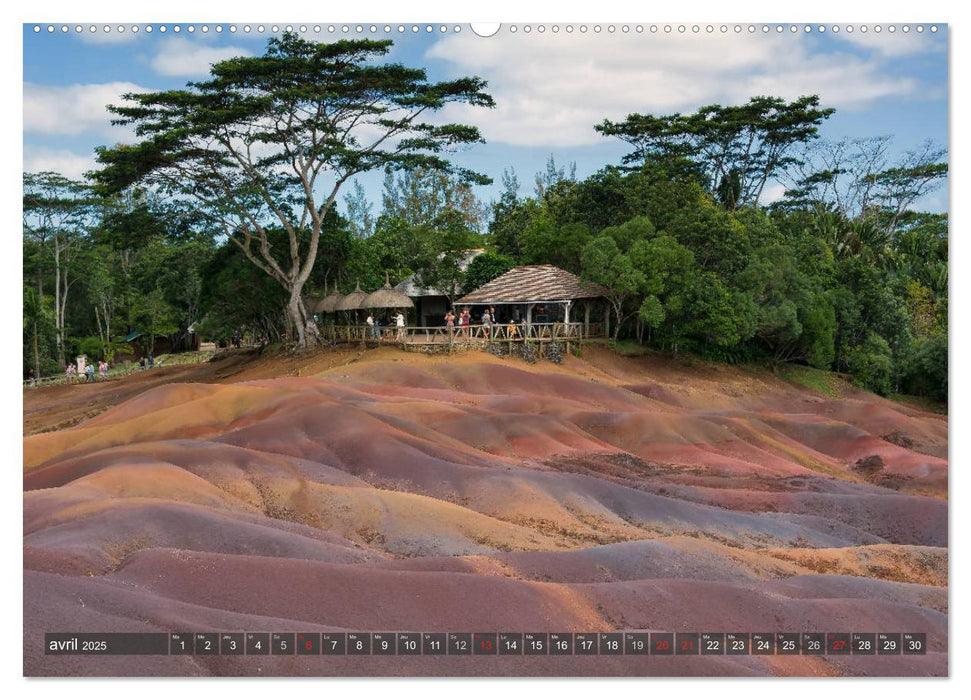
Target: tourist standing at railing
400 323
449 323
487 323
465 318
372 330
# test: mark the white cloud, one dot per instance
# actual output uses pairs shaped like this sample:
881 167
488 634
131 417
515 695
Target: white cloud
188 58
75 109
551 89
773 192
893 44
38 159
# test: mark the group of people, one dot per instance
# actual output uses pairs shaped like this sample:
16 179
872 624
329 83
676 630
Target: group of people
459 325
87 371
490 322
374 326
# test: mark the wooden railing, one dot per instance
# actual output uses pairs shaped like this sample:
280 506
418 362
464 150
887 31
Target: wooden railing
458 335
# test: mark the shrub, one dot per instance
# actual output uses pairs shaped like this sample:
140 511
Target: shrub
871 364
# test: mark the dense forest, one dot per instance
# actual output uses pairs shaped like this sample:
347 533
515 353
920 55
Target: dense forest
841 271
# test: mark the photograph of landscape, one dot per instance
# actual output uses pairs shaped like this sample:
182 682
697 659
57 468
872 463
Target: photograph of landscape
590 332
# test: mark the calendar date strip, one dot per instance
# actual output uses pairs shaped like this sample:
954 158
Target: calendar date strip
485 643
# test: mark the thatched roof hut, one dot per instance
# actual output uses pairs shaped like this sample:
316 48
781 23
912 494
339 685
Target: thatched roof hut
352 301
387 298
328 304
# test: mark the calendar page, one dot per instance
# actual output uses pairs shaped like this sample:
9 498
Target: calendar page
518 349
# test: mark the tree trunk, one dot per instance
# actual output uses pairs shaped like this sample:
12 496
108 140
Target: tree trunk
62 315
36 351
58 326
97 318
617 308
297 315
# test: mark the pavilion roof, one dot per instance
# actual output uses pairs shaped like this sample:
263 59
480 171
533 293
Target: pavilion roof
533 283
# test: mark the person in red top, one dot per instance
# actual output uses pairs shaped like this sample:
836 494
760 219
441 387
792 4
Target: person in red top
449 322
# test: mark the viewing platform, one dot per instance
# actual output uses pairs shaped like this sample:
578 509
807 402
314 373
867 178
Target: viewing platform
464 336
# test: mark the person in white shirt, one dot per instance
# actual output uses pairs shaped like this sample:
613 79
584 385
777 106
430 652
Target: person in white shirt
372 329
400 323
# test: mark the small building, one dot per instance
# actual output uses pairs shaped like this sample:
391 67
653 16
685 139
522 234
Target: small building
432 304
541 294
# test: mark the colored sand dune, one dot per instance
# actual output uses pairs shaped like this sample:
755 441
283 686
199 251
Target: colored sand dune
407 493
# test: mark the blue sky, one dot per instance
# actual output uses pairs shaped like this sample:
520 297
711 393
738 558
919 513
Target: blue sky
550 88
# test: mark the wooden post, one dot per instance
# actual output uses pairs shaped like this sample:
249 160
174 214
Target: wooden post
607 319
586 318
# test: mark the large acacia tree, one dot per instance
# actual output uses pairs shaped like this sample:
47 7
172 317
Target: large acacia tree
734 151
268 141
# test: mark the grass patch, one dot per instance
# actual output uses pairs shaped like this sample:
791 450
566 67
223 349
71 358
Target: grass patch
820 380
922 403
629 348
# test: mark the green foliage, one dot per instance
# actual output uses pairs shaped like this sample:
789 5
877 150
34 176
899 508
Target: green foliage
422 195
92 347
734 150
39 334
484 268
448 239
604 263
871 364
714 315
154 315
545 243
926 373
627 234
652 312
230 313
819 334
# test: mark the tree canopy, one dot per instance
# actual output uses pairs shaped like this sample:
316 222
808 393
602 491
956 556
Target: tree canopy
734 150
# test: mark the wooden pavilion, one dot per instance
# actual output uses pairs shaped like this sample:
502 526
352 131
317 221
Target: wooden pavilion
540 294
